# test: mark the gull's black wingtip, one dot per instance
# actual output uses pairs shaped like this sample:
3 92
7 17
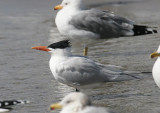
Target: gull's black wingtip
143 30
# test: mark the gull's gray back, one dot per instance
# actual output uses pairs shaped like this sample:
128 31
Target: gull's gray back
103 23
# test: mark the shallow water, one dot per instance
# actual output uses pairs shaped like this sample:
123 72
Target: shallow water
25 73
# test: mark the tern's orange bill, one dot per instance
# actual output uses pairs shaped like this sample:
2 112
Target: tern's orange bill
42 48
58 7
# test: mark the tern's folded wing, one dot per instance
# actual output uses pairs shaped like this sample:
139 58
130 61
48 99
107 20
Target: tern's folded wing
79 70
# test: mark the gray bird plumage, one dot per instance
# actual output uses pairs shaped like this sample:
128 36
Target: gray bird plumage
102 23
74 21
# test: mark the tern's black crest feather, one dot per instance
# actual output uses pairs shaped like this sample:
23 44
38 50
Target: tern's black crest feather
60 45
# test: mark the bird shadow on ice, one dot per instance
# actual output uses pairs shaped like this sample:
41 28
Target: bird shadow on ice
114 3
55 36
113 96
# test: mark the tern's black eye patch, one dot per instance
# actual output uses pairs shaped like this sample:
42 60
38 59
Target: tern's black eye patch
60 45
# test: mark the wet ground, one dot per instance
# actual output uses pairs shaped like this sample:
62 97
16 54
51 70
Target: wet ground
25 73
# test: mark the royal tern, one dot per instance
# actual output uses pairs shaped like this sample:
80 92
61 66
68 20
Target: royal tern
156 67
74 21
78 71
77 102
5 104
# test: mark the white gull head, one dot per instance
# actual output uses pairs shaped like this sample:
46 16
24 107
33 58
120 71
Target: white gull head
78 102
74 4
75 102
68 8
72 103
156 67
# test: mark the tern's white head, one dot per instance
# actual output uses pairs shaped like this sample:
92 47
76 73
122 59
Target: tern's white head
61 48
75 4
73 102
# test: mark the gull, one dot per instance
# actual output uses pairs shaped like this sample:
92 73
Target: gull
78 71
156 67
5 104
77 102
74 21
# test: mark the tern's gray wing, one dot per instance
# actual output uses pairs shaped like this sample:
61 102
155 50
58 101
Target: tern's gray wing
92 109
111 71
116 73
81 70
103 23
